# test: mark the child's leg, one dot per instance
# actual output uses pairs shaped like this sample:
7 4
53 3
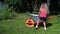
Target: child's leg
44 23
37 23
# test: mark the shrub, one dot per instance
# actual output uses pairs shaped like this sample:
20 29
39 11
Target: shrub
6 12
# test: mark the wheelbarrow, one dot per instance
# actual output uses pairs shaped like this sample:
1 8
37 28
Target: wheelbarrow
33 18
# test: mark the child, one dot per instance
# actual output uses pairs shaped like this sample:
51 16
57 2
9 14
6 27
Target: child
43 11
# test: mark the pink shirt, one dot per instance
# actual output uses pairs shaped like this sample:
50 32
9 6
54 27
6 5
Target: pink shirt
43 12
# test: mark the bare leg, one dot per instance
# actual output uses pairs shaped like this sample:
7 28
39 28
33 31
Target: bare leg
44 23
37 23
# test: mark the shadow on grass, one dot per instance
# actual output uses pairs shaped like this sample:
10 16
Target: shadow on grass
49 24
41 25
2 30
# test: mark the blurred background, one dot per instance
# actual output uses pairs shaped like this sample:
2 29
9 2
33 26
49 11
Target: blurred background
31 5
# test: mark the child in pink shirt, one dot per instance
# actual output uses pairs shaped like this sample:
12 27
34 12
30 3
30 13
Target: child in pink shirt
42 15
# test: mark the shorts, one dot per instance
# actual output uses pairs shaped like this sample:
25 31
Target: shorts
42 19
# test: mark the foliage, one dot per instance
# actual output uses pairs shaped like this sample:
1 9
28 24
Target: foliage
20 5
6 12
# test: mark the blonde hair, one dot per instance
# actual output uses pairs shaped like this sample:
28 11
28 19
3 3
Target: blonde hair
44 5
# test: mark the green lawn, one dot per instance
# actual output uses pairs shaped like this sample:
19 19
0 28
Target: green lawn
17 26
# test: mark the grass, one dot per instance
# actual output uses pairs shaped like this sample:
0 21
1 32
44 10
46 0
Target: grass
17 26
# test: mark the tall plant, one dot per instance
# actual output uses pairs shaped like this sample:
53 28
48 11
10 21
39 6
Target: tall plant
6 12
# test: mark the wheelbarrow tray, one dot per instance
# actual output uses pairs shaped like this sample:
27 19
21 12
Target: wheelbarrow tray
35 17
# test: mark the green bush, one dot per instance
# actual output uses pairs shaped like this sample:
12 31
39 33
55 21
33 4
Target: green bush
6 12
